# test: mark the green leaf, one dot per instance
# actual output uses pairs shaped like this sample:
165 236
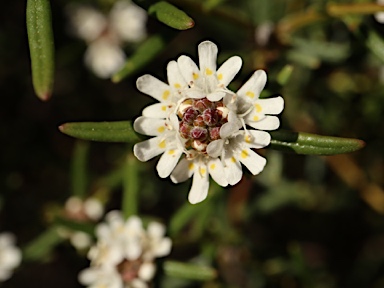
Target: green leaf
312 144
130 187
117 131
79 168
375 43
88 228
189 271
147 51
42 245
40 38
171 16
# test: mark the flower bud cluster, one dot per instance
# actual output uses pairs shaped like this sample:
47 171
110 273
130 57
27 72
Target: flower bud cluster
200 121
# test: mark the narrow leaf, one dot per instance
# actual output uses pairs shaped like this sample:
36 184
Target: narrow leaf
41 47
312 144
375 43
117 131
189 271
79 168
146 52
171 16
42 245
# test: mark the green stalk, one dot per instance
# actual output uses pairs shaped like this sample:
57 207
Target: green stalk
130 187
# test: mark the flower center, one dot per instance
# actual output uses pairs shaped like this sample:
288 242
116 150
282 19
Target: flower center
200 121
129 270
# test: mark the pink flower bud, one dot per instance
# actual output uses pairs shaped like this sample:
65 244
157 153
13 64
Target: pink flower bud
199 133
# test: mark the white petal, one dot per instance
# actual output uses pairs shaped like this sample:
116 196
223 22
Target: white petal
93 208
154 87
189 69
233 171
88 276
230 128
207 58
163 248
228 70
216 96
158 110
168 162
259 139
86 22
156 230
128 21
150 148
252 88
175 78
195 93
182 171
135 283
104 58
215 148
147 271
271 105
200 185
267 123
150 126
253 161
80 240
216 170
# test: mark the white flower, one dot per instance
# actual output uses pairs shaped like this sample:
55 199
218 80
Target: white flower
206 121
88 209
105 34
379 16
10 256
75 208
124 253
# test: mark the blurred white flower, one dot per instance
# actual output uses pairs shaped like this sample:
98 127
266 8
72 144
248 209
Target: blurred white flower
124 253
200 117
106 34
84 210
379 16
10 256
75 208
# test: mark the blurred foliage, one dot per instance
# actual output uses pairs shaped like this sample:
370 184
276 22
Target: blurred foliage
305 221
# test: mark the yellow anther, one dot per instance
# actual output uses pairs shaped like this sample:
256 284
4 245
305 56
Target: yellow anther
163 108
258 108
166 94
191 166
212 166
162 144
202 171
208 71
195 76
220 76
233 159
177 85
250 94
171 152
161 129
255 118
244 154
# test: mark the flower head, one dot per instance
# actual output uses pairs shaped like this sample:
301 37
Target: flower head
124 253
10 256
214 127
105 34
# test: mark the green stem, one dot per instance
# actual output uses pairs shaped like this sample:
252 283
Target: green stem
79 168
130 187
